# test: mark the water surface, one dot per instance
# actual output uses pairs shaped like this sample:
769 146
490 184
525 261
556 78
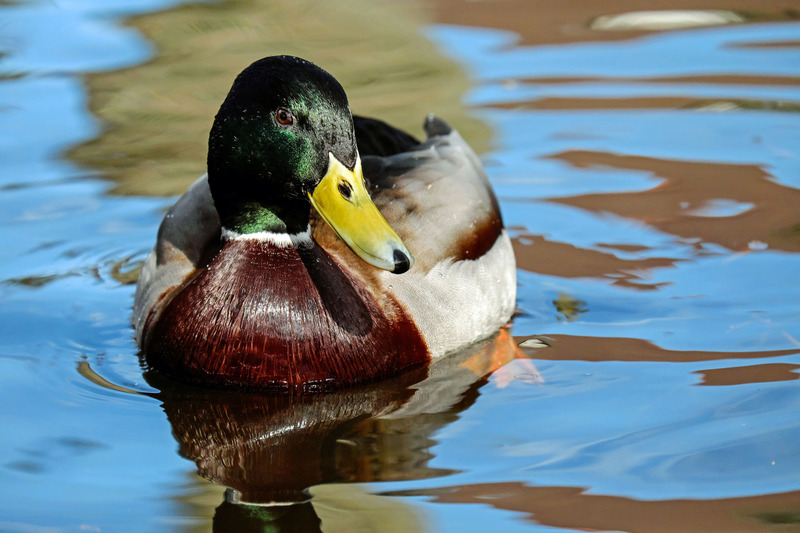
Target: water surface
650 180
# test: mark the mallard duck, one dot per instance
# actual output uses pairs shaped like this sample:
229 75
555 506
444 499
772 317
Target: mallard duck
321 250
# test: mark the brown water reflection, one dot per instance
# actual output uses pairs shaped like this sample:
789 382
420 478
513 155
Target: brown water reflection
538 254
572 508
766 373
644 102
684 204
574 348
569 21
268 448
770 216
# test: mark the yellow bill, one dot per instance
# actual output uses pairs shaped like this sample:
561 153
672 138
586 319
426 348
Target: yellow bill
344 203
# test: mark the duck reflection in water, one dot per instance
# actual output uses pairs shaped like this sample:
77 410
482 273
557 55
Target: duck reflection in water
269 449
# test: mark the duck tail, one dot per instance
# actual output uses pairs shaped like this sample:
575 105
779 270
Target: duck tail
436 126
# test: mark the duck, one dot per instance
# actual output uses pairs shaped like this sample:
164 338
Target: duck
321 250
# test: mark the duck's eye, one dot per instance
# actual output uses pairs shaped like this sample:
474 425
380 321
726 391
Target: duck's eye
345 190
284 116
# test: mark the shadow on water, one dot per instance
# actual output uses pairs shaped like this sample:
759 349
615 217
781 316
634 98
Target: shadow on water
268 450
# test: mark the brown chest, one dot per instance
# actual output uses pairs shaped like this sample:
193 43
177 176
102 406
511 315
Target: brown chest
281 318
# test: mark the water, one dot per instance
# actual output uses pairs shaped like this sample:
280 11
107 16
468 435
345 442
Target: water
650 180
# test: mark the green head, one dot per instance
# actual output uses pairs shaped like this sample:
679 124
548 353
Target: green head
282 141
270 141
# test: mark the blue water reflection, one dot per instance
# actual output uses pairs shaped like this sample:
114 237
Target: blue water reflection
751 137
76 456
491 54
671 441
712 305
